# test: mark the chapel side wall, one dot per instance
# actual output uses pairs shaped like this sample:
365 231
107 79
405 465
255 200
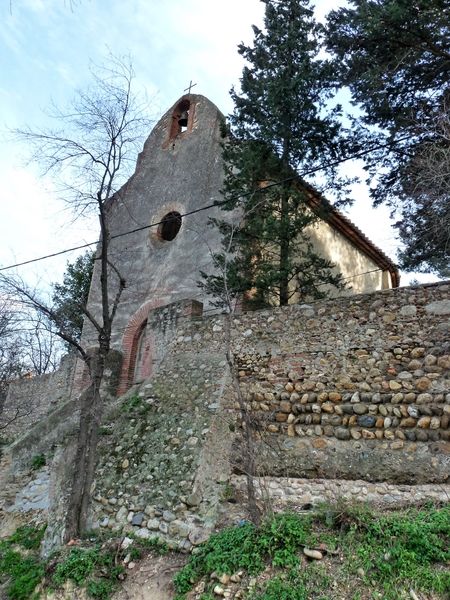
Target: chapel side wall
353 388
359 272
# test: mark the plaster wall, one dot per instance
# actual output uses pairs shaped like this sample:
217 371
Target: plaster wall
359 272
182 171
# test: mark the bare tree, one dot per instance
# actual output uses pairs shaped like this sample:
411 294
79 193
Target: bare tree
90 154
10 357
41 350
224 296
26 350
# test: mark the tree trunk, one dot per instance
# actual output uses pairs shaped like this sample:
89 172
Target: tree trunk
85 458
284 248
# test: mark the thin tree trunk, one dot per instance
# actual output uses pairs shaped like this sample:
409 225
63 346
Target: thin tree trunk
249 446
284 248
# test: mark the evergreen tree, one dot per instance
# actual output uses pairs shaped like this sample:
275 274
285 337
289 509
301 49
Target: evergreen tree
395 57
281 125
70 297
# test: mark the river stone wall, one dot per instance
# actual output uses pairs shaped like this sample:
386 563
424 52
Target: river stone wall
284 493
164 453
355 387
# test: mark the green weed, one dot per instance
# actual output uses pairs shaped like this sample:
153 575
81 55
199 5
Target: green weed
277 541
37 462
402 548
82 564
280 588
135 404
395 550
295 584
22 574
153 544
101 588
19 571
28 537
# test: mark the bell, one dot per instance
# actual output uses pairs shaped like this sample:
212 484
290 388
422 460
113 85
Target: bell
183 120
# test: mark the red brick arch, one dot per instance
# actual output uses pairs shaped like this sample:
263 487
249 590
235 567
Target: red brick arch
130 342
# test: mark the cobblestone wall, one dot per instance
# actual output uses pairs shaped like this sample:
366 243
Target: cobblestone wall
164 453
290 493
349 397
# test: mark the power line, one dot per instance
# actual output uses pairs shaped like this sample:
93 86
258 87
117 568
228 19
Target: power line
218 311
215 204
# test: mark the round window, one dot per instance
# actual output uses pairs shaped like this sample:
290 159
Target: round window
169 226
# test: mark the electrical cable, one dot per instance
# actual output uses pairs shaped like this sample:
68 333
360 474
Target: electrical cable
210 206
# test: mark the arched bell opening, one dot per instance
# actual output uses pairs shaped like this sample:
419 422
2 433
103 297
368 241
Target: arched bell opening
181 118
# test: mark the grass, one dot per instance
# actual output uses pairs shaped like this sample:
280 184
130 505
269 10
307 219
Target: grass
247 548
20 567
383 555
135 405
399 549
371 555
145 545
95 569
96 565
99 568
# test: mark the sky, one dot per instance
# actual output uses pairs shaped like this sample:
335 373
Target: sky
46 50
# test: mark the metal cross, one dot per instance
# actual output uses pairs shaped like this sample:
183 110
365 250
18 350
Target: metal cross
191 85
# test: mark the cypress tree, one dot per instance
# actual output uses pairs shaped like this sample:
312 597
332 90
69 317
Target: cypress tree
282 125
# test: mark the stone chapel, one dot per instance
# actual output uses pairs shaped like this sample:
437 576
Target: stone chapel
178 172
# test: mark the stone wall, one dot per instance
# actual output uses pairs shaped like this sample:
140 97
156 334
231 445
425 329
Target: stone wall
30 400
355 387
348 398
164 453
285 493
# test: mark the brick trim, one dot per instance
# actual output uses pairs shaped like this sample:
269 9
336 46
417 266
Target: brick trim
130 342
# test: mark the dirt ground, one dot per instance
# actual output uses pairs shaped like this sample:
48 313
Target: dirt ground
151 579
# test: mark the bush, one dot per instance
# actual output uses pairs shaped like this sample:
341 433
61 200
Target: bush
246 547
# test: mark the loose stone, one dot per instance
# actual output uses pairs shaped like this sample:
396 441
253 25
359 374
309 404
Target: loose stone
314 554
218 590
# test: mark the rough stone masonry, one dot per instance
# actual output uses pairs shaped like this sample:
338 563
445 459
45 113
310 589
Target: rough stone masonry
350 398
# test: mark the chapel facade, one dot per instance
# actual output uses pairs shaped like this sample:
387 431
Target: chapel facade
180 171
